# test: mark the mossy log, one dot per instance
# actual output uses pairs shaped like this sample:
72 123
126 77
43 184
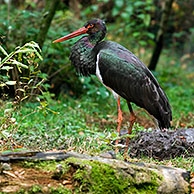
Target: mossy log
93 174
102 175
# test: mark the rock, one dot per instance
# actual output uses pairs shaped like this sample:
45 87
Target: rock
5 166
109 154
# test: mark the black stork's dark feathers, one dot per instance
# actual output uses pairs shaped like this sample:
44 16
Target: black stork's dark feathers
121 71
133 81
83 58
83 54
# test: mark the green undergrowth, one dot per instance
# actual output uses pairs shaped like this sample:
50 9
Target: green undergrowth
75 124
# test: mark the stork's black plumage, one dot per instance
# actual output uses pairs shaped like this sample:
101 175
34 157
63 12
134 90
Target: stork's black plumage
120 71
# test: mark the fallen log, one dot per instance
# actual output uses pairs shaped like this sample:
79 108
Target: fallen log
94 174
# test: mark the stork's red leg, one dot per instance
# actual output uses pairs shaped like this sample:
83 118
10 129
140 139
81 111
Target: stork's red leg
119 121
132 120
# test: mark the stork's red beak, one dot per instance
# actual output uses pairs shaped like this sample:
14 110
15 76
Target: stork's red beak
81 31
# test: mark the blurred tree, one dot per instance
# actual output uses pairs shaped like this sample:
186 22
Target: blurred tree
50 9
75 6
160 34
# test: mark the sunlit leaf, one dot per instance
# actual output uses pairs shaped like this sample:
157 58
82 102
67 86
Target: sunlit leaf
10 82
20 64
3 51
20 89
2 84
38 54
33 45
6 68
7 58
27 78
25 97
25 50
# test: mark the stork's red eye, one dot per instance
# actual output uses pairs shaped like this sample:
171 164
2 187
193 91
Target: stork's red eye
90 25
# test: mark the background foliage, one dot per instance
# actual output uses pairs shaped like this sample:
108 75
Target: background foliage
133 23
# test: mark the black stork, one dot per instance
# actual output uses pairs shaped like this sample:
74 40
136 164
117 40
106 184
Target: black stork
121 72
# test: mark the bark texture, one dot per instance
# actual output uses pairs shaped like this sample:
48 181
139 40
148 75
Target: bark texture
160 35
50 10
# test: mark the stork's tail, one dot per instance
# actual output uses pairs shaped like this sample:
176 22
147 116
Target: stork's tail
165 111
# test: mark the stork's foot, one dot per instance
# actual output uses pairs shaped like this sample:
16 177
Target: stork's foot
126 157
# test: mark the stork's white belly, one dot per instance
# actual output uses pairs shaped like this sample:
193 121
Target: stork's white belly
98 75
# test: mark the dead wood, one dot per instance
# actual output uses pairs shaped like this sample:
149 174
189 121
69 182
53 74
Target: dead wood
166 179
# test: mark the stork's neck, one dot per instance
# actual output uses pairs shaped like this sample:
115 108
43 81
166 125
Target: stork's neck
96 37
83 56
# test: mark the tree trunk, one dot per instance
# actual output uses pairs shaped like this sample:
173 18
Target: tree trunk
50 9
160 34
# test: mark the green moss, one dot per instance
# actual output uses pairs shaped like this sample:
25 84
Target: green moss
39 189
96 177
44 165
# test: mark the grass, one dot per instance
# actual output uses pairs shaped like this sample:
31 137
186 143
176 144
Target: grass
88 124
178 162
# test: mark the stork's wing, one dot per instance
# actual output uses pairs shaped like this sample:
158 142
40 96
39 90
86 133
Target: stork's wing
123 72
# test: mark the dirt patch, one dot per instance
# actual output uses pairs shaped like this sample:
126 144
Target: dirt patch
20 177
163 144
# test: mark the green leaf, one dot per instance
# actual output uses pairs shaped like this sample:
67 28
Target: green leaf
38 54
119 3
142 42
127 135
33 45
19 64
114 135
6 68
2 84
27 78
3 51
139 3
36 72
147 19
125 15
150 35
115 11
24 50
10 82
25 97
7 58
135 34
141 16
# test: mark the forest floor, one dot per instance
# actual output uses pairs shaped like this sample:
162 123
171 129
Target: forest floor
88 125
173 148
